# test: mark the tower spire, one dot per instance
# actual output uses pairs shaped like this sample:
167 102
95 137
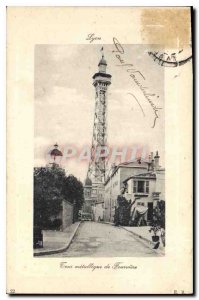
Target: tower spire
102 51
101 81
102 63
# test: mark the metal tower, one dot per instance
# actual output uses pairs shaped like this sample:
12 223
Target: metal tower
101 81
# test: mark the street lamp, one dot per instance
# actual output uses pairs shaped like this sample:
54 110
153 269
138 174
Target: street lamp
55 155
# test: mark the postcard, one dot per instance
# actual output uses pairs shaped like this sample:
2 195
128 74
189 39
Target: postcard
99 150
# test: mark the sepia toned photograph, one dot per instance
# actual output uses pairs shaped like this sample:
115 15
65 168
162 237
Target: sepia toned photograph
99 175
99 150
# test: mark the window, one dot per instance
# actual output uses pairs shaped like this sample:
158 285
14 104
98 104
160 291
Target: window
140 186
147 187
127 188
134 186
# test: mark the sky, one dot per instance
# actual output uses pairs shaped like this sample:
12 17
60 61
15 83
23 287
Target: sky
65 99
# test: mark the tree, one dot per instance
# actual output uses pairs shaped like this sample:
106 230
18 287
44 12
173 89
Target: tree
47 195
123 211
159 214
73 191
51 187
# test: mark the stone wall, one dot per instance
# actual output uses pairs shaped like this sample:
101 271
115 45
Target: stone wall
67 214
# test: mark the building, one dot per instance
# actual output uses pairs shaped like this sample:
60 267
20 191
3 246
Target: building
115 182
147 188
142 187
98 211
143 180
90 195
160 183
93 199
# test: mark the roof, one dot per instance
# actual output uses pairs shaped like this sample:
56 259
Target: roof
147 175
151 175
129 164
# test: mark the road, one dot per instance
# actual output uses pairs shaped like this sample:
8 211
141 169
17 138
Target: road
103 240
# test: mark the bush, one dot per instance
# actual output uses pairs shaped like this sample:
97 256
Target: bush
159 214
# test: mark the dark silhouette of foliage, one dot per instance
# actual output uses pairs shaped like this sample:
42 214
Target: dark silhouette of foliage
159 214
51 187
122 211
74 193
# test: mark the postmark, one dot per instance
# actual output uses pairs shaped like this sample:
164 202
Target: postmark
170 58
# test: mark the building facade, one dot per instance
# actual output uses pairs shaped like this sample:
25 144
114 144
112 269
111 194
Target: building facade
90 196
115 182
142 187
144 181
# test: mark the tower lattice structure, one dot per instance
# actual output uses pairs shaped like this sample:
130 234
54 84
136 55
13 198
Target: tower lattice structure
97 164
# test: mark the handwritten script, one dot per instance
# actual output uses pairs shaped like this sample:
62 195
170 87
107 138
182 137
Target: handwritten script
91 37
137 77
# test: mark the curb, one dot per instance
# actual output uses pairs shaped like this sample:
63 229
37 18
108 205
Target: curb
103 222
54 251
160 249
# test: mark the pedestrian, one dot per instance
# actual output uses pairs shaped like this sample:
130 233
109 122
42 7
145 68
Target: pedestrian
120 200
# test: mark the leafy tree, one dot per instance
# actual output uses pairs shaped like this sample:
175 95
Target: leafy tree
73 192
47 195
51 187
159 214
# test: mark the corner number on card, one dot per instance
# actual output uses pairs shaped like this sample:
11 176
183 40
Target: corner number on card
178 292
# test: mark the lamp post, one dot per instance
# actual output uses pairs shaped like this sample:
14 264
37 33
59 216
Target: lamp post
55 155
